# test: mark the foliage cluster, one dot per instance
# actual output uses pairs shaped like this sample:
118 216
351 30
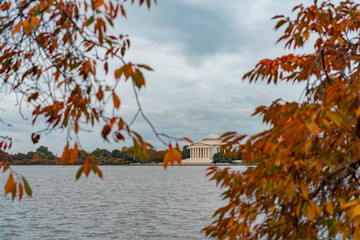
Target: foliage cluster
305 184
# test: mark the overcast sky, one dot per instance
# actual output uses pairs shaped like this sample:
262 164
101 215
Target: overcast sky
199 50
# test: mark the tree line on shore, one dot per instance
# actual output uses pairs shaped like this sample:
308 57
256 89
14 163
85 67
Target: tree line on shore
43 156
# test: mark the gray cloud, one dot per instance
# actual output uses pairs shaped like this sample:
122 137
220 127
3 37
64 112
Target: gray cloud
200 51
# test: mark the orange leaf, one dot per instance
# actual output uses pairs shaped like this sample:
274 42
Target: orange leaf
65 156
304 191
35 20
172 156
27 27
10 184
87 166
99 172
118 73
116 100
16 28
21 191
76 126
98 3
128 70
74 153
6 166
100 94
187 139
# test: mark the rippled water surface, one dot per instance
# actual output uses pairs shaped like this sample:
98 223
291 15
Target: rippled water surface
132 202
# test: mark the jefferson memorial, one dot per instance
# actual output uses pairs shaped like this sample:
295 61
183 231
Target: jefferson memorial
203 152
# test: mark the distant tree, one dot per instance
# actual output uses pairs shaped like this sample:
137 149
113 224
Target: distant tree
43 152
101 153
185 153
217 158
128 154
116 153
157 156
30 155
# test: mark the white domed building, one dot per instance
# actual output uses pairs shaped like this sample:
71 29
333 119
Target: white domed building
203 152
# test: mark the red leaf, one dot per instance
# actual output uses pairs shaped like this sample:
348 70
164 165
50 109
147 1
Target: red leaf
106 130
21 191
35 137
187 139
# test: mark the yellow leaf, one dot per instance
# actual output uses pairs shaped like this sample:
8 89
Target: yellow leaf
298 209
349 204
355 211
304 191
277 162
329 207
311 211
172 156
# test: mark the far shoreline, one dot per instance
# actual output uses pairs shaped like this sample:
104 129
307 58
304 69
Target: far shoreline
142 165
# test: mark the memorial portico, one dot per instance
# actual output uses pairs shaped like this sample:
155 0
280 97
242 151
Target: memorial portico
203 152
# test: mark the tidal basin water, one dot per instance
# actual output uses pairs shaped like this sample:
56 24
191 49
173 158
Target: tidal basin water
132 202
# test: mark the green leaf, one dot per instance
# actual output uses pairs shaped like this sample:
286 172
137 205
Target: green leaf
27 187
90 20
145 67
93 167
79 172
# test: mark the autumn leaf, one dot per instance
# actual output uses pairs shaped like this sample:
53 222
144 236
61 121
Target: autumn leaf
28 27
35 20
65 156
16 28
116 100
79 172
100 94
28 190
118 73
172 156
35 137
74 153
106 130
87 166
21 191
99 172
188 140
10 184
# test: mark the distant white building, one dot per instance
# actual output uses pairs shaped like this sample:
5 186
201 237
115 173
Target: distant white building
203 152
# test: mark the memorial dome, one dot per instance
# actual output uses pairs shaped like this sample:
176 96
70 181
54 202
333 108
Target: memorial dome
211 137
